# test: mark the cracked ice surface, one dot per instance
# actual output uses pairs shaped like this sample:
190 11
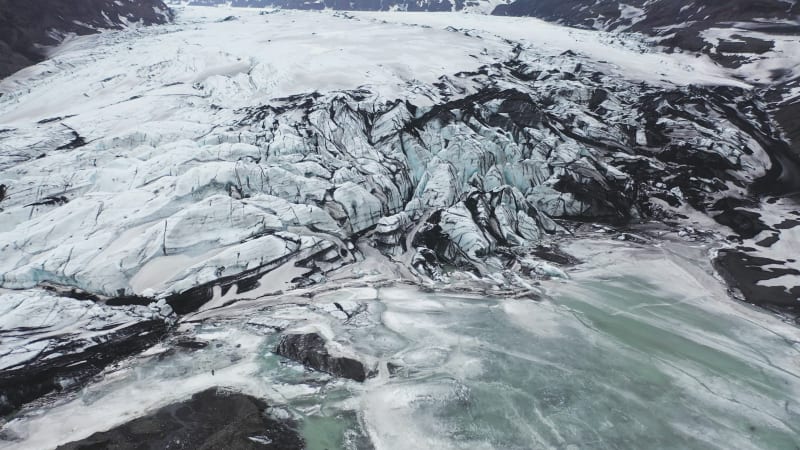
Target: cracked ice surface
158 177
151 161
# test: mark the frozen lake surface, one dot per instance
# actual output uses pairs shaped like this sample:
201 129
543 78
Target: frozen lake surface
616 357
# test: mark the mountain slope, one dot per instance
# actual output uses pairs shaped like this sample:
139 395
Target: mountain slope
733 33
27 28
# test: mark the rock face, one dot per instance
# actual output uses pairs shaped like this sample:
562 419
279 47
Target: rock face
311 351
212 419
763 267
50 343
27 26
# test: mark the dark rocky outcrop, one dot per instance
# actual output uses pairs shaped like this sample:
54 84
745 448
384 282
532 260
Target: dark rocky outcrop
212 419
743 269
311 351
26 26
785 108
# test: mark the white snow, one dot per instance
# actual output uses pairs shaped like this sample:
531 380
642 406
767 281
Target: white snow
783 58
624 54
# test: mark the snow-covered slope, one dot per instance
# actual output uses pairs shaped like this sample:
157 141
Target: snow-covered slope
28 28
237 153
758 40
733 32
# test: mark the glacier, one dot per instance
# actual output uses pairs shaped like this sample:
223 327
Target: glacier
241 174
495 146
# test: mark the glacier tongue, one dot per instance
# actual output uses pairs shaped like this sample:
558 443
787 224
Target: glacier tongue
198 158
